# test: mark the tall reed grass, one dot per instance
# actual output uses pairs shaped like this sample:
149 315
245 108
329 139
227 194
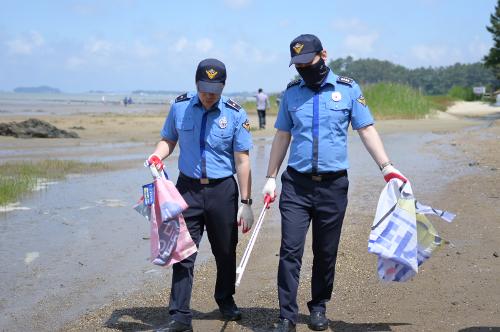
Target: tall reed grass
396 101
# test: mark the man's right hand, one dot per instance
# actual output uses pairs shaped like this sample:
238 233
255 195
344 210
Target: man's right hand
156 161
270 189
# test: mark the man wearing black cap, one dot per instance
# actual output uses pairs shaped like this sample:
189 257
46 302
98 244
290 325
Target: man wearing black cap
314 116
214 139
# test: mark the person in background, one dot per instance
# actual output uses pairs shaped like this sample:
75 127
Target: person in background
314 116
214 140
262 106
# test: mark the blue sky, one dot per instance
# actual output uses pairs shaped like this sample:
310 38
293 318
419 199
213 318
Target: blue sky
123 45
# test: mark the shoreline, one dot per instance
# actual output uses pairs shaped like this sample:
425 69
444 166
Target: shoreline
453 164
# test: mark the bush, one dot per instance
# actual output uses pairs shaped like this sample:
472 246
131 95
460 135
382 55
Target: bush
462 93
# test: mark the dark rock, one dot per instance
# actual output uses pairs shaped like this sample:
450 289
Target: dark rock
34 128
495 254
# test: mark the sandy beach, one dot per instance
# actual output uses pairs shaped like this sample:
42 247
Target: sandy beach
76 260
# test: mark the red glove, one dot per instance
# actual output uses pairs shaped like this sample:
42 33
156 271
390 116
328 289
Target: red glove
156 161
390 172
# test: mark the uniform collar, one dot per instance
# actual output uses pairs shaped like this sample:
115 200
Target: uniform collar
331 78
217 106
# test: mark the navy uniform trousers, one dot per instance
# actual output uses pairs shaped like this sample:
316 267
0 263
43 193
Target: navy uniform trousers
213 206
303 200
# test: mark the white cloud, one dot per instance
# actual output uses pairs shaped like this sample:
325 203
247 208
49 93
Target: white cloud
478 48
74 62
27 44
204 45
181 44
249 53
430 54
349 24
99 47
237 4
143 51
361 43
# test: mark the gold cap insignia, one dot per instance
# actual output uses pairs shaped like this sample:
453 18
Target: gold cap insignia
298 48
211 73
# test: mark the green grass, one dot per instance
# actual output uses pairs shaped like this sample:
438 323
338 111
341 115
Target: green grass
18 178
396 101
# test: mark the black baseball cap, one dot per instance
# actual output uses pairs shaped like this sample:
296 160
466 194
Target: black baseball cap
211 76
304 48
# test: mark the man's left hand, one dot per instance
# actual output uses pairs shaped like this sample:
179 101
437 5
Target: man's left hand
245 217
390 172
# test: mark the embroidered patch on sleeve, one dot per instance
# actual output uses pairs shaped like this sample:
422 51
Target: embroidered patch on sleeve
362 100
246 125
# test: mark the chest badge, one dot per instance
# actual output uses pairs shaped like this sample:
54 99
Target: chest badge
336 96
223 122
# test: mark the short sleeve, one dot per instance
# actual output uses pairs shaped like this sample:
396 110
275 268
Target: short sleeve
169 131
242 140
284 120
361 115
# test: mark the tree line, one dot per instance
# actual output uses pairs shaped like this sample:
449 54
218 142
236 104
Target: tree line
430 80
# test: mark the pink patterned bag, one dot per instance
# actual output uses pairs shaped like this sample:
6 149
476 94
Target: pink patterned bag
170 239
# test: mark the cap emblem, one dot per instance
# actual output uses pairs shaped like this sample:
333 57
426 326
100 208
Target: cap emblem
298 48
211 73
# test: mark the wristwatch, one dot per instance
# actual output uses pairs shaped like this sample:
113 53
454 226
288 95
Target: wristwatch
246 201
387 163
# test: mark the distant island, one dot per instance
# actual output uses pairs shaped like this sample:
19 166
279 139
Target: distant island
36 89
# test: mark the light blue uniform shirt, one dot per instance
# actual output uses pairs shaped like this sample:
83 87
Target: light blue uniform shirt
207 139
319 139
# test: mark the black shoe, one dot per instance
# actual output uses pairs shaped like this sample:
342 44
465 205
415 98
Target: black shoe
230 311
284 325
175 326
318 321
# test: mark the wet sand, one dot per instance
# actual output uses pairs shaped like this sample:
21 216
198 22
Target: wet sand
99 253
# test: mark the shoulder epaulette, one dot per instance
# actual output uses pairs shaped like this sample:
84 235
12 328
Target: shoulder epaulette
183 97
232 104
345 80
292 83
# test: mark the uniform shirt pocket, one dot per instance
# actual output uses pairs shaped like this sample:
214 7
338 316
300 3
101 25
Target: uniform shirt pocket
185 124
221 138
339 114
185 131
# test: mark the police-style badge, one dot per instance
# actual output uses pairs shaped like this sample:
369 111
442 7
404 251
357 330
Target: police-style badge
211 73
362 100
223 122
246 125
336 96
298 48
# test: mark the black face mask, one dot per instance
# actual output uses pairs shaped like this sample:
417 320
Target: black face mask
314 75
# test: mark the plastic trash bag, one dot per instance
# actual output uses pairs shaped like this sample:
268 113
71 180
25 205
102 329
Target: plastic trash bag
401 236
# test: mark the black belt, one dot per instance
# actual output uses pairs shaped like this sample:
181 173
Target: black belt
318 177
202 180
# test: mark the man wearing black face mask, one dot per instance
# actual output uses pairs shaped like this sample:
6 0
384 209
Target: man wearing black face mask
314 116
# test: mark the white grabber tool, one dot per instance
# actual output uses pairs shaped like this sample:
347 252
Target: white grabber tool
246 255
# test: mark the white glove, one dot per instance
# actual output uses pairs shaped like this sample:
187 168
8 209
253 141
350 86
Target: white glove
390 172
245 217
270 188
